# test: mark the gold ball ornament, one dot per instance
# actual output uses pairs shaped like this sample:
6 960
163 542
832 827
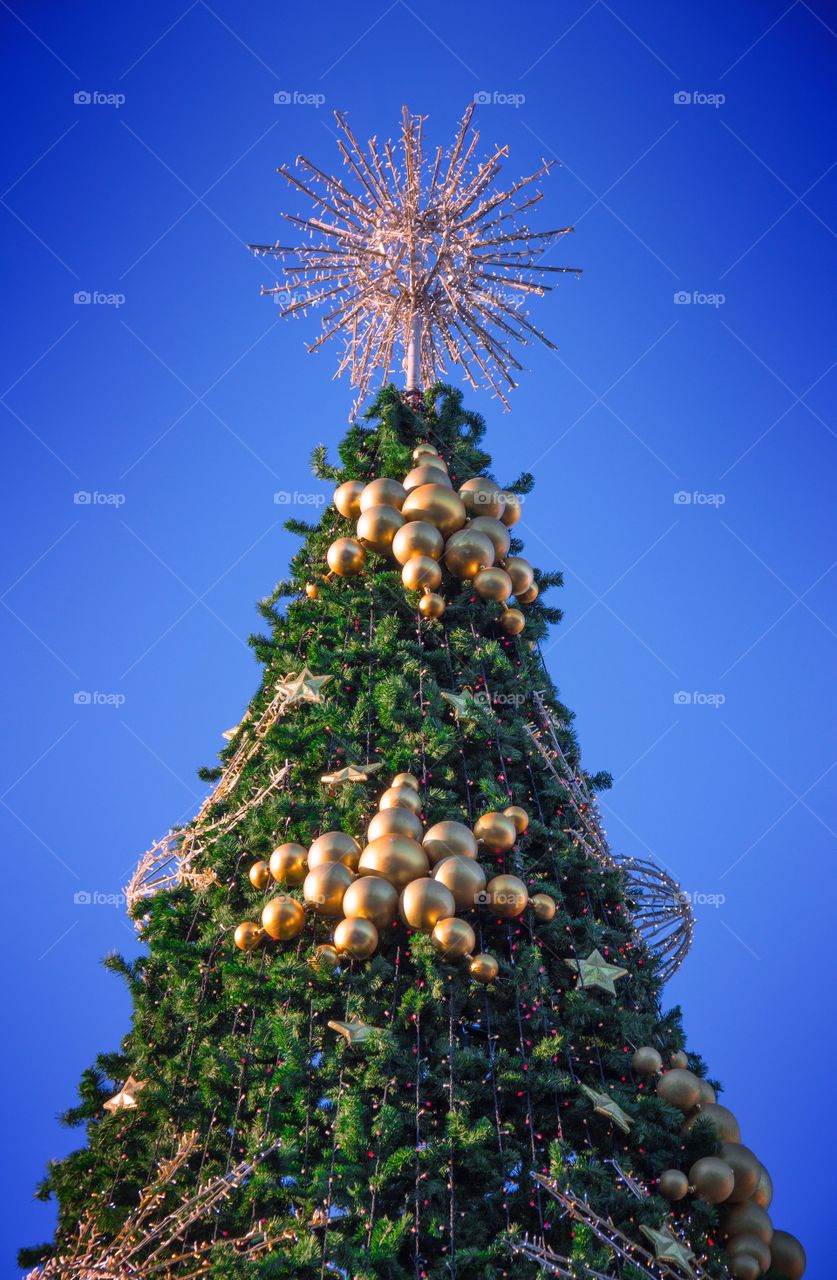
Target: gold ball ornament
721 1119
334 846
680 1089
377 527
712 1179
751 1247
417 538
287 864
763 1194
372 898
248 936
495 832
464 877
453 938
437 504
346 557
431 605
395 822
401 798
421 572
519 817
707 1093
521 573
745 1267
466 552
674 1185
511 622
324 887
679 1059
424 902
646 1061
312 591
543 906
484 968
383 492
492 584
424 450
449 839
483 497
259 875
396 858
748 1219
508 896
406 780
326 957
427 472
496 532
527 597
357 938
745 1167
347 498
283 918
512 508
788 1255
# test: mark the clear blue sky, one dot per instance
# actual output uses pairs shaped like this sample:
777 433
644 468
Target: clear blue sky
194 404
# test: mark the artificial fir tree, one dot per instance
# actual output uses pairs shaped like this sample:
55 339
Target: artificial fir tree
347 1056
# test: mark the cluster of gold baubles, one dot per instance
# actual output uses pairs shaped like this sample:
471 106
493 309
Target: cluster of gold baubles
735 1178
422 877
424 525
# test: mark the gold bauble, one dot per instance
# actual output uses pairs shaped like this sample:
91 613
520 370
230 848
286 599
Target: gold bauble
453 938
746 1168
484 968
424 450
722 1121
763 1194
424 902
464 877
679 1089
421 572
495 832
437 504
511 622
346 557
751 1247
283 917
326 957
334 846
679 1059
707 1093
526 597
248 936
512 508
357 938
324 887
787 1255
406 780
426 473
745 1267
377 527
347 498
417 538
395 822
508 896
401 798
646 1061
431 605
259 875
449 839
748 1219
674 1185
492 584
521 573
312 591
372 898
712 1179
496 532
287 864
383 493
396 858
483 497
543 906
466 552
519 817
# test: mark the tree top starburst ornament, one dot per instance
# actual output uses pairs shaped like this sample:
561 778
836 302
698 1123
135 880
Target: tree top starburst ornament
428 258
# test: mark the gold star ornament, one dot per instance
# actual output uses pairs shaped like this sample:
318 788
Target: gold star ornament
351 773
596 972
126 1098
667 1248
305 687
464 704
604 1105
355 1031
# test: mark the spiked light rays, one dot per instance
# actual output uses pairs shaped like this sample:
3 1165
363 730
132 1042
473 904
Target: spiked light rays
427 259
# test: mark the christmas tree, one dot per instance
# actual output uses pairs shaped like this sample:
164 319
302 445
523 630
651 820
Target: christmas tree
399 1011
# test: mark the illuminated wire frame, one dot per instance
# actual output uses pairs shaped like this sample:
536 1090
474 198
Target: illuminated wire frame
420 255
661 913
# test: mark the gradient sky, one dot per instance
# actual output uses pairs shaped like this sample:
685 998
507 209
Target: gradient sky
182 401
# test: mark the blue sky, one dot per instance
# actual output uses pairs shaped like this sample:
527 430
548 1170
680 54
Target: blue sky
180 400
